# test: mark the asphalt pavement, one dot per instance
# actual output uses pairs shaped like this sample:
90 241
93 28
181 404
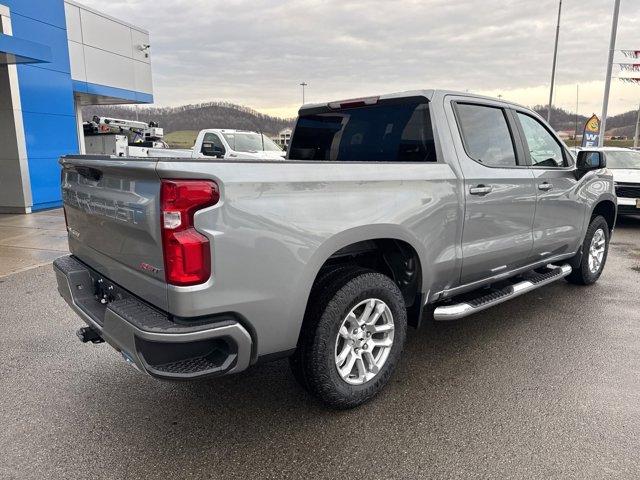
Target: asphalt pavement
544 386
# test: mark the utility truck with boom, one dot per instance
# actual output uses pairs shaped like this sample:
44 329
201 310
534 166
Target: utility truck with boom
133 138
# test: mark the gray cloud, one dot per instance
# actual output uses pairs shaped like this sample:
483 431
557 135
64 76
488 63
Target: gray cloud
256 52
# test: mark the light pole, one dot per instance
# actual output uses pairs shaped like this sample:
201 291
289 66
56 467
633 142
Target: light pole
575 133
607 80
637 134
303 84
555 59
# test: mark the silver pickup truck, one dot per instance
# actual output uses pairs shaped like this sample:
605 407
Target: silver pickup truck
386 207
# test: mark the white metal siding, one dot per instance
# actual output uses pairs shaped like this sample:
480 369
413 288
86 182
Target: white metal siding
74 26
76 56
106 51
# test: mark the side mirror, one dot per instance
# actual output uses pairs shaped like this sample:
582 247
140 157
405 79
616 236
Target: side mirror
590 160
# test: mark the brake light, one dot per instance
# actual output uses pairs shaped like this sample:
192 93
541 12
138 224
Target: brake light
355 102
187 256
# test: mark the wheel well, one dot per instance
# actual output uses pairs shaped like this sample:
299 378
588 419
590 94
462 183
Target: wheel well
395 258
607 209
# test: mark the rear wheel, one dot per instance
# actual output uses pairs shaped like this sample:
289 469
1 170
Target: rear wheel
594 253
353 335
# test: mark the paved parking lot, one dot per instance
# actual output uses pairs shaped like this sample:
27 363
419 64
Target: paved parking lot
544 386
27 241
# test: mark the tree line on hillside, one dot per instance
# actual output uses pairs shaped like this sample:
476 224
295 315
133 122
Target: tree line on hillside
623 124
229 115
195 117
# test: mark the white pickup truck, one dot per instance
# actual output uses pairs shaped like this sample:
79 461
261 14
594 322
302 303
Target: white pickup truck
220 143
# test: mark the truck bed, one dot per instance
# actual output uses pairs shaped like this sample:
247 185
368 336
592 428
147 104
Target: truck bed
275 225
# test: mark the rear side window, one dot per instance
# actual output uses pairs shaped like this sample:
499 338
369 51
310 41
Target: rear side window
386 132
486 135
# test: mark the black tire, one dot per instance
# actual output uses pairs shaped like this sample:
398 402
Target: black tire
325 276
581 274
313 363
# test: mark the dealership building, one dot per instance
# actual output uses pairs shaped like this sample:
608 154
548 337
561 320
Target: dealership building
57 56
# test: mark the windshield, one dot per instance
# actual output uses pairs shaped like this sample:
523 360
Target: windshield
250 142
623 159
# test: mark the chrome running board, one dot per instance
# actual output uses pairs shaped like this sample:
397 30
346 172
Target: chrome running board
532 281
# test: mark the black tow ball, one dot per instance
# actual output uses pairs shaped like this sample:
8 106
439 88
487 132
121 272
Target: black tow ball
88 334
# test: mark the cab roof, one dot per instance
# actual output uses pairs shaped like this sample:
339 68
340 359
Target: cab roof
430 95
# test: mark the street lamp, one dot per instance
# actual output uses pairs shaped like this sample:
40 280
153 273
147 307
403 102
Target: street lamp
303 84
553 67
607 81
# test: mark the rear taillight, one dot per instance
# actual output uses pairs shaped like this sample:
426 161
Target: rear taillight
187 255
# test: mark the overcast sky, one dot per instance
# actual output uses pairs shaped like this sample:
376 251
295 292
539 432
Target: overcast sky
255 53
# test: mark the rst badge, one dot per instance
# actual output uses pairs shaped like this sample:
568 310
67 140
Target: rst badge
149 268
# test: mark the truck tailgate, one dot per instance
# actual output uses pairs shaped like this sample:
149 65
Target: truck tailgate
112 208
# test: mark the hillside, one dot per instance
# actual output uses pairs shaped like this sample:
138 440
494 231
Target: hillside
623 124
192 118
562 119
196 117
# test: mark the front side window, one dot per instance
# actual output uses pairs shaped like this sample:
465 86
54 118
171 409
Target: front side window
486 135
544 149
384 132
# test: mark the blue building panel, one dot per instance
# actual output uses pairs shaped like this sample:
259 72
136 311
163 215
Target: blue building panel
45 182
45 11
113 92
18 50
45 91
49 135
54 37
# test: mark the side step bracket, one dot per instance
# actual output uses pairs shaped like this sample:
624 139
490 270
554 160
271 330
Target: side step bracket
532 280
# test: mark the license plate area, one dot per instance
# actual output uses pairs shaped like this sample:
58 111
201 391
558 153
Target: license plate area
637 202
103 293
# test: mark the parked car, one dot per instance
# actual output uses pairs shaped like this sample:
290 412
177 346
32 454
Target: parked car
624 164
224 143
385 205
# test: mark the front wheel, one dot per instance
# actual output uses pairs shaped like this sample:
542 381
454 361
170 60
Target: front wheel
352 338
594 253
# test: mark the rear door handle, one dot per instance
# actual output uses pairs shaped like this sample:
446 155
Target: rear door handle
480 190
545 186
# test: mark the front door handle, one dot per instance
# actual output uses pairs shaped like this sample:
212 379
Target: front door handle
545 186
480 190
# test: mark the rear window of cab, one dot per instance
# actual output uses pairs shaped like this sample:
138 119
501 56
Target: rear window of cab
383 132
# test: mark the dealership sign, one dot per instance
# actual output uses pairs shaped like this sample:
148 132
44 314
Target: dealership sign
591 134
